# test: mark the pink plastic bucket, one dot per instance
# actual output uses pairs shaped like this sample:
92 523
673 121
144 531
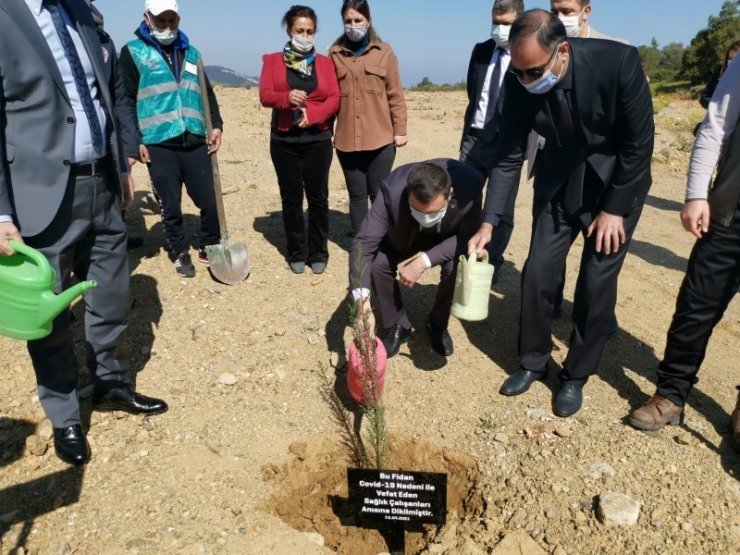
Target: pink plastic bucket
357 374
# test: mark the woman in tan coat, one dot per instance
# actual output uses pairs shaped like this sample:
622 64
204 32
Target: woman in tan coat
371 122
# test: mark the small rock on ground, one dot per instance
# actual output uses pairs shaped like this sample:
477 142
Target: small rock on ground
616 508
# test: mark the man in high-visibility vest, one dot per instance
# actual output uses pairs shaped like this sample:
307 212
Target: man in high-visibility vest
160 70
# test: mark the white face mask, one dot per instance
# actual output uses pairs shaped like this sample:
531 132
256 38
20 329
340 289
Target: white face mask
428 220
500 33
545 83
164 37
355 34
302 44
572 24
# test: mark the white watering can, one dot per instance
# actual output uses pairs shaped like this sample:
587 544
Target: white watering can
472 288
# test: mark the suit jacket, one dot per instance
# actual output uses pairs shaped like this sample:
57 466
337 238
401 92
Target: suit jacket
390 225
124 108
36 118
613 109
321 105
480 60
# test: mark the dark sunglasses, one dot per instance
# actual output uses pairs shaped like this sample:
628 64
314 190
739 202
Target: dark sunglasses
534 72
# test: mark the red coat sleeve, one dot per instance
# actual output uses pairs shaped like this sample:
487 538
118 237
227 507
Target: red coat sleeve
323 103
271 94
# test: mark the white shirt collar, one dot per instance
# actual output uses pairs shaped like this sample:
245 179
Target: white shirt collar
35 6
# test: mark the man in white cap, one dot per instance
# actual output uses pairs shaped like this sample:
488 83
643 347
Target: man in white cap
160 69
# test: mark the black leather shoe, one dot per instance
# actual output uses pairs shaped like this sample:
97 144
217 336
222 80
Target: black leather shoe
569 399
71 445
520 381
441 340
394 338
127 400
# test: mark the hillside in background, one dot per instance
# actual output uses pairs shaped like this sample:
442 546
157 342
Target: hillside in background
226 76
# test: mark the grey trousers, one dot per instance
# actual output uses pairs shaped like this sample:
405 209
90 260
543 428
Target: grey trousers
88 239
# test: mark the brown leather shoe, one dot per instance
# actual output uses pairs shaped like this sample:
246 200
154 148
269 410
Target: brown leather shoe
655 413
735 422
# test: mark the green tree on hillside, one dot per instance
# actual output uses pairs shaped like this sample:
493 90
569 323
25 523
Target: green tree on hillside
662 64
708 47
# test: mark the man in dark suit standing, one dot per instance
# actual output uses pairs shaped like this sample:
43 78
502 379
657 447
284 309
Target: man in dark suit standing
427 211
590 101
63 181
489 63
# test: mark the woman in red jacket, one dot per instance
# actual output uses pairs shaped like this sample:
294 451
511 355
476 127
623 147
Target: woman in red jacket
301 87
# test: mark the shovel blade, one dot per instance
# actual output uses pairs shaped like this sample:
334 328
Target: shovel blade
229 262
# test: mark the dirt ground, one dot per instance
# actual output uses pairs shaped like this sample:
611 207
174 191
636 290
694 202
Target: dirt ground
251 448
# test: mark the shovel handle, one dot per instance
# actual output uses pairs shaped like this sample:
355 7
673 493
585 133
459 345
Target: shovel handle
214 156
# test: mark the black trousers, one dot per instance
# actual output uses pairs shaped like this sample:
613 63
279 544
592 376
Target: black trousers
304 166
553 233
388 291
364 171
502 235
711 281
168 170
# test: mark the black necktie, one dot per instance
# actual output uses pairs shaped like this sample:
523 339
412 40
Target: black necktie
495 86
563 119
566 132
78 72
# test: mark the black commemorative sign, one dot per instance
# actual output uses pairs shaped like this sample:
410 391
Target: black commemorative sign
397 496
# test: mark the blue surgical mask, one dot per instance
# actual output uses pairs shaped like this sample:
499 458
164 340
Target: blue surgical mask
545 83
428 220
500 33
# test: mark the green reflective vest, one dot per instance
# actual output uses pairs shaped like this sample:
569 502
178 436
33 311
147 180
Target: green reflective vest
164 107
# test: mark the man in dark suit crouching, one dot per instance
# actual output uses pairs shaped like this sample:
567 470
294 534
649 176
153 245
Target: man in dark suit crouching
426 211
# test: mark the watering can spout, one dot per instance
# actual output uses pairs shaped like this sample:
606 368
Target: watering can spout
55 304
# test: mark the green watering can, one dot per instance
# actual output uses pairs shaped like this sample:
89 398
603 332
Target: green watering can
28 304
472 288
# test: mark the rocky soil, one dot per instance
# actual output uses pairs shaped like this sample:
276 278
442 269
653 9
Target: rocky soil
252 448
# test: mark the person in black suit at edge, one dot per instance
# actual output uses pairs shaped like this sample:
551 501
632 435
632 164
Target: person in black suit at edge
488 65
590 101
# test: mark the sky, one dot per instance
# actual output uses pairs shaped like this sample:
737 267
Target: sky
432 38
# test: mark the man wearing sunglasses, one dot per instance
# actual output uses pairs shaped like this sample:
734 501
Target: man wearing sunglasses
590 100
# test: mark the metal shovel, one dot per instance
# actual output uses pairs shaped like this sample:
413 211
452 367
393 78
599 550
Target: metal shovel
228 262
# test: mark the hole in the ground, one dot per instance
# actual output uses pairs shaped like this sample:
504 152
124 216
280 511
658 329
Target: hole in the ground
311 488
